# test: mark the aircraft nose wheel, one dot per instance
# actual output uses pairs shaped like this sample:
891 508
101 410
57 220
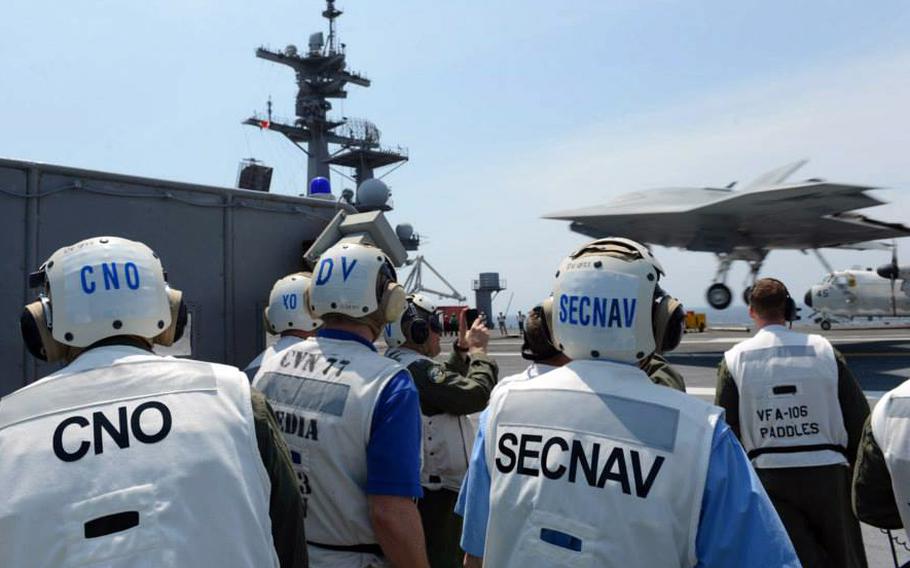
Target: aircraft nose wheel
825 325
747 295
719 296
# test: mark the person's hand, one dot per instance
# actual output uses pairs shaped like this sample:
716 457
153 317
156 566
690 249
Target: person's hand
462 324
477 338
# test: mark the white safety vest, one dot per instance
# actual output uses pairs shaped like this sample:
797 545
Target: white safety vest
891 430
592 465
789 413
324 392
280 345
127 459
447 439
533 370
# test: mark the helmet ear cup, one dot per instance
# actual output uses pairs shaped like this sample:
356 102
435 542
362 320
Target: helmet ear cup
174 331
393 302
668 320
36 333
416 329
266 322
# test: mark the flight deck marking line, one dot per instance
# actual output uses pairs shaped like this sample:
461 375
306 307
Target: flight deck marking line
835 340
710 391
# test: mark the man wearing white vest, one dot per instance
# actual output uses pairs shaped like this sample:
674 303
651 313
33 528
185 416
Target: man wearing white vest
799 413
351 417
449 392
592 464
286 316
124 458
882 475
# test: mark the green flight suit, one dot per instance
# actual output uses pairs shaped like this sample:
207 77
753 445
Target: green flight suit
813 502
661 373
459 386
873 496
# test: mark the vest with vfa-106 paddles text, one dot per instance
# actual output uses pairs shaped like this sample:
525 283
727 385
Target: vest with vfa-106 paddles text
592 465
324 392
126 459
789 412
891 430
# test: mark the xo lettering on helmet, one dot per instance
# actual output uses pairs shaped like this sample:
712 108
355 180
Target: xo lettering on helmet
148 423
567 457
109 276
289 301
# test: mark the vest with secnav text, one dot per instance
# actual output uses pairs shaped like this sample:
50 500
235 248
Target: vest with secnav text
532 370
891 430
592 465
324 392
789 413
280 345
447 439
127 459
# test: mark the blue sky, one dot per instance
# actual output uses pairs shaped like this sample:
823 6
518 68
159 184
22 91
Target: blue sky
509 109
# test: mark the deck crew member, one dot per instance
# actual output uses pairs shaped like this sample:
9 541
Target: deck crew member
118 458
799 413
351 417
591 464
448 393
881 475
287 316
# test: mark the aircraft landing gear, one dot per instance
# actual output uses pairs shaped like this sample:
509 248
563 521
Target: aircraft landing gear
825 325
719 295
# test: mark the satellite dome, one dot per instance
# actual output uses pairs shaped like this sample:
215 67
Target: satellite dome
373 194
290 50
404 231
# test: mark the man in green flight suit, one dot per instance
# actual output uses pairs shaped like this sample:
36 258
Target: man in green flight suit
449 392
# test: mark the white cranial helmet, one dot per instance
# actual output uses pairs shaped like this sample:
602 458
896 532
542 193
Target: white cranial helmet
104 287
395 334
287 305
603 300
357 281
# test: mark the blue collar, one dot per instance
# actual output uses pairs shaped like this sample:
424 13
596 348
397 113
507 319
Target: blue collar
344 336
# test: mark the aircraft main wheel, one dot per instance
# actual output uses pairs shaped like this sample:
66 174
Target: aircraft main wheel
825 325
719 296
747 295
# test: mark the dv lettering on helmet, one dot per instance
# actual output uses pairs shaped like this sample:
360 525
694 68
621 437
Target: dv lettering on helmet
76 435
109 276
590 311
327 266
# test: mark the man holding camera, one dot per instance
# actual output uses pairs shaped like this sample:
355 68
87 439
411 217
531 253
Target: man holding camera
449 392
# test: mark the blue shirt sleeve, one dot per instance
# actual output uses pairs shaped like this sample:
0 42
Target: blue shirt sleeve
738 525
393 452
474 499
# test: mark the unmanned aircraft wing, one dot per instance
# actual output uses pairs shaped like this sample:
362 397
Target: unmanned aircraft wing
807 215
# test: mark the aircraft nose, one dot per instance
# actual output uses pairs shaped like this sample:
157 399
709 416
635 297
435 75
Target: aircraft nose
808 298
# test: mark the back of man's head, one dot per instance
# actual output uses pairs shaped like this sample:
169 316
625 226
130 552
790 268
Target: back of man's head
538 340
769 299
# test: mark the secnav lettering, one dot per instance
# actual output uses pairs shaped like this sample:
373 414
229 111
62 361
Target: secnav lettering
597 312
530 455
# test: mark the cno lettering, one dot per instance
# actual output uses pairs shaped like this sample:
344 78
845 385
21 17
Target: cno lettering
74 428
110 276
